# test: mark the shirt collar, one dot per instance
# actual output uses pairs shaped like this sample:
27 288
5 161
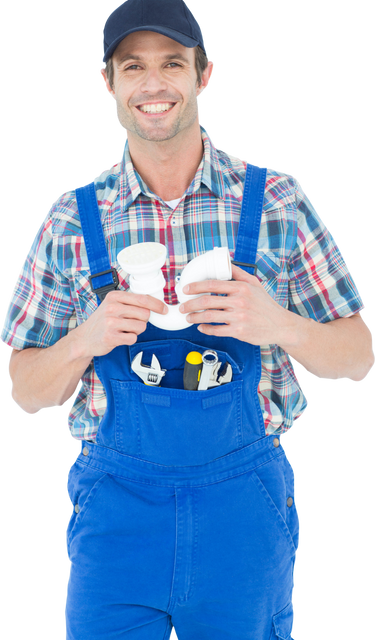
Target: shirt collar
208 172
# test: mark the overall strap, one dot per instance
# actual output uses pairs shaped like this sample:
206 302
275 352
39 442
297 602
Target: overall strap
105 276
251 213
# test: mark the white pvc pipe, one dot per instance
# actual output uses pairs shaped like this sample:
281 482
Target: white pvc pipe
144 262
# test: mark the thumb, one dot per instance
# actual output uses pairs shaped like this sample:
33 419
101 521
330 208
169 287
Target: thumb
243 276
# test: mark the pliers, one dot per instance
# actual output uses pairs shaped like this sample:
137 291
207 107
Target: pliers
151 375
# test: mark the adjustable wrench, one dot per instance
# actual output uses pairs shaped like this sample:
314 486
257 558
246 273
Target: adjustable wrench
151 375
209 374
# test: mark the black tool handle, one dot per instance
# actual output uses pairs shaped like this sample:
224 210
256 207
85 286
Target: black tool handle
192 370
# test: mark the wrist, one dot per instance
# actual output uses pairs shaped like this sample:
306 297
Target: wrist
78 348
296 332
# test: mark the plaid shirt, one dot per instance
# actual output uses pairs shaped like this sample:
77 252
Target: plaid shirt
298 262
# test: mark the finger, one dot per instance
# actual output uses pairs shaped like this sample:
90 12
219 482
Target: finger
153 304
216 330
221 286
149 302
208 316
137 300
137 313
210 286
131 326
207 302
240 275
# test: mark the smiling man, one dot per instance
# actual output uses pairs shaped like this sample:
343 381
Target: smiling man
183 509
154 81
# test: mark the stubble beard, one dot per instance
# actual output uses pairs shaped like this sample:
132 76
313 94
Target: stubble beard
157 130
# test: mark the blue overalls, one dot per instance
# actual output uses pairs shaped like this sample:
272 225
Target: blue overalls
183 508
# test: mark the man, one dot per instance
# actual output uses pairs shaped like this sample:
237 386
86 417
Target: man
193 527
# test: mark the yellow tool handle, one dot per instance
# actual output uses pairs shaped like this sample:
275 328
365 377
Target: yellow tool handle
192 370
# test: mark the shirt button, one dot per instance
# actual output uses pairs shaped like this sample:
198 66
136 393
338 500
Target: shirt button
276 442
76 508
85 451
289 502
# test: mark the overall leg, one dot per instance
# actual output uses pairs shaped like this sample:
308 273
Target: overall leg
121 542
242 541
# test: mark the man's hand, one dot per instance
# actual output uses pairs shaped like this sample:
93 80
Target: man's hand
340 348
247 311
118 320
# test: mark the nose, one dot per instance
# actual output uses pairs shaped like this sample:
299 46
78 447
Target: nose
153 82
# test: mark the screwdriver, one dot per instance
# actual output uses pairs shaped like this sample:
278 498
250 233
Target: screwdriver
192 370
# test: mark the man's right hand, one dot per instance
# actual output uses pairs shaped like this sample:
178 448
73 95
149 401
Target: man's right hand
118 320
49 376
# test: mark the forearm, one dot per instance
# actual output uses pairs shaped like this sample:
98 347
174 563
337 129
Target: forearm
48 377
341 348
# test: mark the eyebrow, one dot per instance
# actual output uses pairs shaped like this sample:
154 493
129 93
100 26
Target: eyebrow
173 56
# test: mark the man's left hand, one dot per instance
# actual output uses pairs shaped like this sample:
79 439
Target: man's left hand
247 312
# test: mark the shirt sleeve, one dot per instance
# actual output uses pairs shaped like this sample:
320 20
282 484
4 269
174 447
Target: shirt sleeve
41 311
320 285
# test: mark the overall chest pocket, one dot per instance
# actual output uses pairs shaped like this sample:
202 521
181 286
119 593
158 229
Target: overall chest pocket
173 426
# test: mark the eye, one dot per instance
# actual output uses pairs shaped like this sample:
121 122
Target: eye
173 64
132 67
136 65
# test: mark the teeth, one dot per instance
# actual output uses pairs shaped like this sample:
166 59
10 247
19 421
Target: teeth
156 108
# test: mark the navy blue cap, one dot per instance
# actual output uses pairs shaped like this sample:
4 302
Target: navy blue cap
171 18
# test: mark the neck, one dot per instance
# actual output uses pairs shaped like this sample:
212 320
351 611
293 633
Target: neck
168 167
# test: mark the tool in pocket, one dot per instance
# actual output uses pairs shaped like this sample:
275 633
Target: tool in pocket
201 371
192 370
151 375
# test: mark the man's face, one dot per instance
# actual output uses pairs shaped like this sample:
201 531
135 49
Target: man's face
155 86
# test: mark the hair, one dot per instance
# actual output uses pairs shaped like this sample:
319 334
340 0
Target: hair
201 62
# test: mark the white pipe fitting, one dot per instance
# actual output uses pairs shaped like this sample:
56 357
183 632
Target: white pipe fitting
143 262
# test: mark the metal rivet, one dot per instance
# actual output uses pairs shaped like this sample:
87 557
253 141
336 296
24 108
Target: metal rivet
76 508
289 502
276 442
85 451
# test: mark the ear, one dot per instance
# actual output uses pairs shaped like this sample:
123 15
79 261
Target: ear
206 75
103 76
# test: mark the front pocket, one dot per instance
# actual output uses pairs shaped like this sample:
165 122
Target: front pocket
84 298
172 355
283 622
277 478
277 510
84 484
170 425
177 427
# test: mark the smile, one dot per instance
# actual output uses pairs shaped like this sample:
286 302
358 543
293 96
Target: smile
156 107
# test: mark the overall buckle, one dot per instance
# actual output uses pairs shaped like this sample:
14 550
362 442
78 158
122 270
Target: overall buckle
101 292
244 264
